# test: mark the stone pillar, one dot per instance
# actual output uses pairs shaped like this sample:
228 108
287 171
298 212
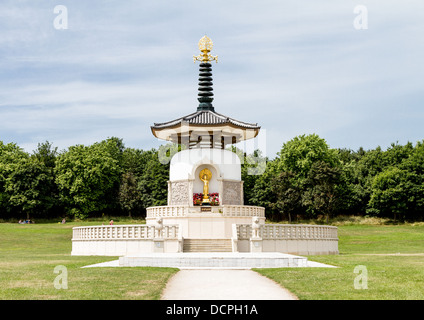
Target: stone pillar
256 239
169 192
256 245
220 190
159 245
158 241
190 192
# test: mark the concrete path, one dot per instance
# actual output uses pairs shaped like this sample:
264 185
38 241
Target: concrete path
223 284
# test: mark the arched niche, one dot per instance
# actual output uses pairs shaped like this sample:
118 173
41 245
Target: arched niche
214 183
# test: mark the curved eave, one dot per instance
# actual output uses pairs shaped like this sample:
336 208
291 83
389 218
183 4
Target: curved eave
205 117
175 132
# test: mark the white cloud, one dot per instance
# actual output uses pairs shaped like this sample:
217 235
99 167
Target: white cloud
293 67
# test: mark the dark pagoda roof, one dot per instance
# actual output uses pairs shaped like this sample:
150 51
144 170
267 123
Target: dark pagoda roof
205 123
205 118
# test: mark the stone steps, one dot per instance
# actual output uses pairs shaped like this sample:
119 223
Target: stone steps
207 245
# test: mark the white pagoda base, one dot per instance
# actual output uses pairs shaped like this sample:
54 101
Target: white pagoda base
205 222
184 229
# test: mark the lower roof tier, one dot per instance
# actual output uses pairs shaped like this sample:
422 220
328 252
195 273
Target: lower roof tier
205 125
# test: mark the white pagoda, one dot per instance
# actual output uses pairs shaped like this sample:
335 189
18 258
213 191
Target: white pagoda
205 190
205 211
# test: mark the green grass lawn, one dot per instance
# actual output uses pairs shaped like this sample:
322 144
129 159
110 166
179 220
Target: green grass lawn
29 254
392 254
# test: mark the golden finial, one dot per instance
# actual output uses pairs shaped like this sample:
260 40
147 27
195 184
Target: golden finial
205 46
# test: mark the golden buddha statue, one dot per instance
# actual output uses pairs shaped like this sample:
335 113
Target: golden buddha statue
205 175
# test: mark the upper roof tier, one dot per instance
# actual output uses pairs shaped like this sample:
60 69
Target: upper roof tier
205 127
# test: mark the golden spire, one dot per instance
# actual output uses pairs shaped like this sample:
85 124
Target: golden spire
205 46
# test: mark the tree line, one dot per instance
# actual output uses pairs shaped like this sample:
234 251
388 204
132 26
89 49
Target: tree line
306 179
80 182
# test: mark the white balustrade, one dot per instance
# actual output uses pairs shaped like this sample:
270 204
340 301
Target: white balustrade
225 210
167 211
288 232
243 211
123 232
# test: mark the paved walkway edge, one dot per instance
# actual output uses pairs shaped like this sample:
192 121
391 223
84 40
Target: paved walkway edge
223 285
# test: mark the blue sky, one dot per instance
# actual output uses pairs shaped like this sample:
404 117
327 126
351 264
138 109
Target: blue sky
294 67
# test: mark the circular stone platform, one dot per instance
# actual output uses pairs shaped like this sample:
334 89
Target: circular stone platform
214 260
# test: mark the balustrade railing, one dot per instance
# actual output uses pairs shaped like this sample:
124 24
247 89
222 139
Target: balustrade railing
167 211
287 231
225 210
125 232
243 211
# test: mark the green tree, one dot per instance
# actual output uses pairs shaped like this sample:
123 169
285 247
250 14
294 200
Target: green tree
88 177
288 194
46 154
353 196
29 187
362 171
322 189
129 195
298 158
262 194
390 193
10 154
153 183
414 165
299 154
134 161
252 167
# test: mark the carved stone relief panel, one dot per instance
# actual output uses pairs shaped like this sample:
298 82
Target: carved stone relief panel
179 191
232 193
